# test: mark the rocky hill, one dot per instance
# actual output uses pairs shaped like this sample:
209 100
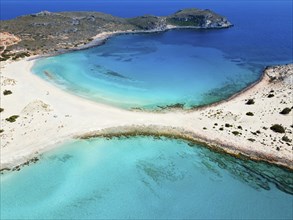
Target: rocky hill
46 32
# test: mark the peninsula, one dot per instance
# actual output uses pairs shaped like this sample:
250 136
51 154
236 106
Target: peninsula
49 33
36 116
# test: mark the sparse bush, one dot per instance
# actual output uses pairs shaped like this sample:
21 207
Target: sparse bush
236 132
228 125
286 139
12 118
1 130
250 102
1 109
249 114
278 128
7 92
204 128
4 58
285 111
221 129
251 139
272 79
239 127
271 95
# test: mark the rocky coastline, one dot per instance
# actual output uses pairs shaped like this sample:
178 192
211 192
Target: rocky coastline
48 33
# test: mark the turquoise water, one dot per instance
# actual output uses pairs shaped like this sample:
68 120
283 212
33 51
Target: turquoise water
143 177
190 67
148 71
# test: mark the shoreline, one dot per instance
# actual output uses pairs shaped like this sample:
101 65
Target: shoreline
102 38
184 135
53 115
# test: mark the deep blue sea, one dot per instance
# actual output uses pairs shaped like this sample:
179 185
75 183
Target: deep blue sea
143 177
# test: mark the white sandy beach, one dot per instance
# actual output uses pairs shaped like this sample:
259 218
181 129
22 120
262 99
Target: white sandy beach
49 116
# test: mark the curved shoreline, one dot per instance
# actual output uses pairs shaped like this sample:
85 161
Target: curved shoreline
53 116
180 133
102 38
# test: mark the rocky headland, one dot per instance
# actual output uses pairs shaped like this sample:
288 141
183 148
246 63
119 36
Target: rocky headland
48 32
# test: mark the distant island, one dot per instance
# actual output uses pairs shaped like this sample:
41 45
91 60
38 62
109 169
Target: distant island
48 32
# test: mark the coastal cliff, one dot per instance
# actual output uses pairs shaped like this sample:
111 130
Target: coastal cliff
48 32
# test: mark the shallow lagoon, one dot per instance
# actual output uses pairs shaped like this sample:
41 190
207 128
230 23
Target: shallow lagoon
191 67
150 70
143 177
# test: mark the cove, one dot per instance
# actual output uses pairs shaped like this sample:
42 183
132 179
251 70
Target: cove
191 67
144 177
151 71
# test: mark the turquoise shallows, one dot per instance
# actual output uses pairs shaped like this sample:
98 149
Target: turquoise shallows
191 67
144 178
150 71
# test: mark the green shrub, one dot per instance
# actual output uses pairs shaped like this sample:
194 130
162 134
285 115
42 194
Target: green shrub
7 92
236 132
278 128
228 125
285 111
1 130
251 139
12 118
1 109
286 139
271 95
272 79
250 102
4 58
249 114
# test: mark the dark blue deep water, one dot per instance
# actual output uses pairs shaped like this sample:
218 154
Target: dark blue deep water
263 27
